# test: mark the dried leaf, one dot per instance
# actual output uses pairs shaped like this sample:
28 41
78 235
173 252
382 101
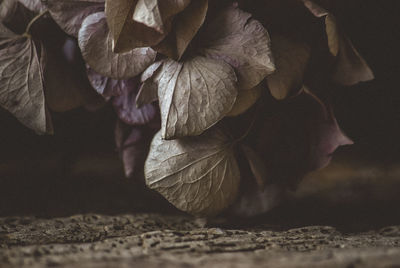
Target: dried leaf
95 42
245 100
235 37
128 34
198 175
291 58
69 14
194 95
21 85
126 107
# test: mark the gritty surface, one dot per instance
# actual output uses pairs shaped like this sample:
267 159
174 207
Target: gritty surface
154 240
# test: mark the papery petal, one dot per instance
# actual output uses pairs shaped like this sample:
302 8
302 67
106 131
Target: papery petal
235 37
95 42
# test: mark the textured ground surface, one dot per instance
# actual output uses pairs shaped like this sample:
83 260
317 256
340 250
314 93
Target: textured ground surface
88 215
150 240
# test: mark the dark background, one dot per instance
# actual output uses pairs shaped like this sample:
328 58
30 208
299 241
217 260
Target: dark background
77 170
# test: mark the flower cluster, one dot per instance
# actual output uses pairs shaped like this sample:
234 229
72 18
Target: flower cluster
219 102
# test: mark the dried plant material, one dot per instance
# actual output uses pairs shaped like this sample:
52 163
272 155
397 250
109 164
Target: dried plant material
315 9
34 5
7 9
133 143
194 95
245 100
143 23
299 137
329 137
15 16
350 67
158 14
185 27
69 14
21 80
235 37
128 34
198 175
291 59
148 89
333 34
95 42
126 108
105 86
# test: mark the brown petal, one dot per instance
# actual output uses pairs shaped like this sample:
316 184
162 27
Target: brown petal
158 14
185 27
350 67
198 175
241 41
96 45
125 105
69 14
21 84
291 59
246 99
128 34
194 95
148 89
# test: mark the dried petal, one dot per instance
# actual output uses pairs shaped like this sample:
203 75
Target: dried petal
198 175
185 27
291 58
69 14
156 14
194 95
148 89
350 67
235 37
128 34
126 107
95 42
21 84
300 137
34 5
245 100
105 86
